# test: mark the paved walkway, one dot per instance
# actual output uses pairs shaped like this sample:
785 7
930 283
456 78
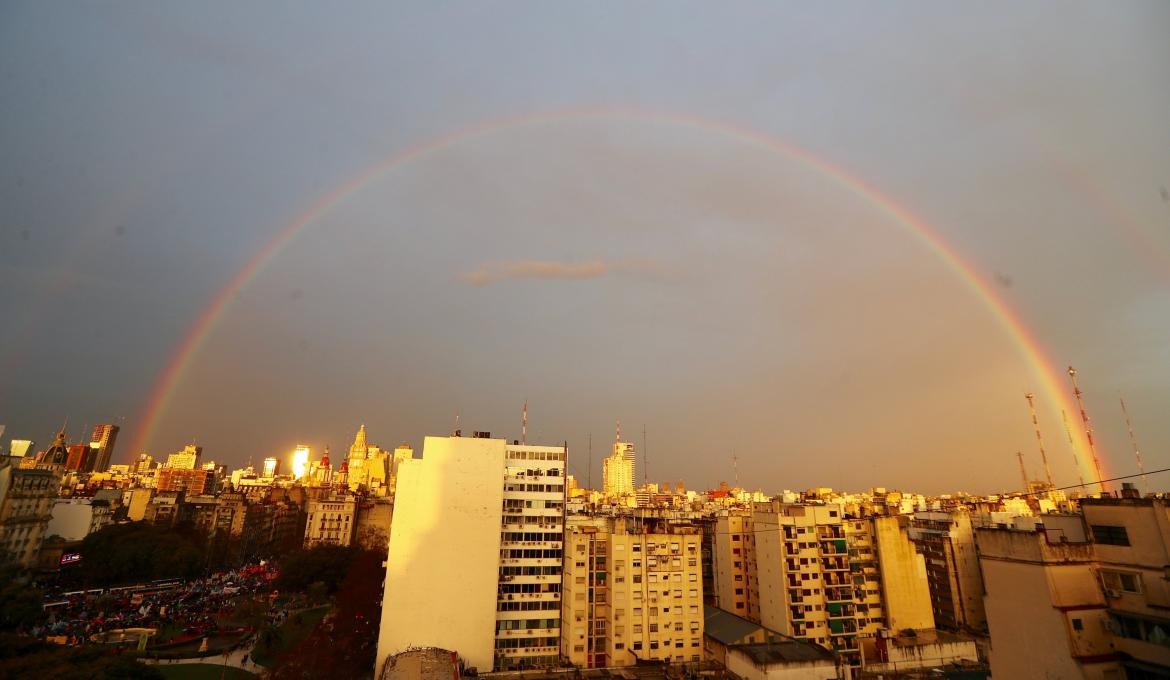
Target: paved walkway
234 658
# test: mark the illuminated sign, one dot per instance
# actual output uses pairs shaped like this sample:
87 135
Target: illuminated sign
70 558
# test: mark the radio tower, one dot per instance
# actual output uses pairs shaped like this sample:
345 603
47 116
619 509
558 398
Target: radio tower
1072 373
1136 452
1039 439
524 424
1023 472
1072 447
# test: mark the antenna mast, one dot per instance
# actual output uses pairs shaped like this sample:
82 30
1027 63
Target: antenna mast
1136 452
735 464
1072 447
645 459
1023 472
524 424
1039 439
589 465
1072 373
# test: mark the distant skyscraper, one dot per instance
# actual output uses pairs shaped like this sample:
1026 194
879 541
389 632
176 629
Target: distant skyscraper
271 467
187 459
81 458
300 464
19 448
617 471
102 442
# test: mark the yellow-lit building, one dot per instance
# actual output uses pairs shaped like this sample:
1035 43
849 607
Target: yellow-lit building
477 543
617 471
632 591
330 521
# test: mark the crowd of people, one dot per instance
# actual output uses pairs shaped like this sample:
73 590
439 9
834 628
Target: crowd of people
199 607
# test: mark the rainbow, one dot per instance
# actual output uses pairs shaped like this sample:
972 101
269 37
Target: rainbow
1048 373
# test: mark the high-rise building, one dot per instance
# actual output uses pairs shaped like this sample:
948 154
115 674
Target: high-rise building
633 591
19 448
732 565
617 471
81 458
831 579
102 442
183 479
187 459
300 462
271 467
947 540
477 543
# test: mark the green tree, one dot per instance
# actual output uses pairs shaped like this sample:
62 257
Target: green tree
20 605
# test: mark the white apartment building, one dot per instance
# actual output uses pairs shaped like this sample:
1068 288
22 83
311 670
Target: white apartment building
474 557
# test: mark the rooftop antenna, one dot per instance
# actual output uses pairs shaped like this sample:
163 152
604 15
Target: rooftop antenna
456 433
645 459
524 424
735 464
1072 447
1023 472
1136 452
617 438
1072 373
589 465
1039 439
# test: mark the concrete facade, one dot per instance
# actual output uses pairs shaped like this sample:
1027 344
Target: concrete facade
633 592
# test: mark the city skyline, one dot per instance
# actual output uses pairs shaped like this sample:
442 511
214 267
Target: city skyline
842 246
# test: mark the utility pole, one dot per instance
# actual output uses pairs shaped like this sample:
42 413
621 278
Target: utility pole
1039 439
1136 452
1072 373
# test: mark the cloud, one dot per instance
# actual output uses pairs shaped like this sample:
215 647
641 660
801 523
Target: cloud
495 272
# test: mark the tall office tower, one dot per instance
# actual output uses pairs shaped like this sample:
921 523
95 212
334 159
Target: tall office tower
102 442
633 591
474 559
271 466
300 462
81 458
187 459
617 471
19 448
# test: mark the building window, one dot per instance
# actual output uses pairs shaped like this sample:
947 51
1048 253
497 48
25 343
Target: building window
1124 581
1106 534
1077 624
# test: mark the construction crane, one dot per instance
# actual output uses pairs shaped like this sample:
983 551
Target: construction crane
1039 439
1136 452
1072 373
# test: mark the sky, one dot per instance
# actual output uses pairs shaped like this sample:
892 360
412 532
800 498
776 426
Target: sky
774 231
